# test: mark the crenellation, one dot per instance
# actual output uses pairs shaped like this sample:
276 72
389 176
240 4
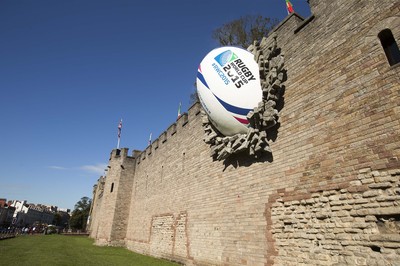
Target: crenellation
149 149
182 120
289 24
171 130
155 143
329 194
163 137
136 153
194 110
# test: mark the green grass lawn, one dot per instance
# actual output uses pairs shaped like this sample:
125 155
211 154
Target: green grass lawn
50 250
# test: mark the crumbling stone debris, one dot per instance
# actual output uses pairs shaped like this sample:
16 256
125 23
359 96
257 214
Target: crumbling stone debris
270 60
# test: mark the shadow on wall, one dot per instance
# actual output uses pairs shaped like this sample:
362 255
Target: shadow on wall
243 159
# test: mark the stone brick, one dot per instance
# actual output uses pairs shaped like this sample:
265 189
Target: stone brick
335 148
380 185
358 188
347 219
386 178
370 193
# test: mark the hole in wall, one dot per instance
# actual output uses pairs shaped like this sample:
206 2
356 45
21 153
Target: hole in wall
376 248
388 224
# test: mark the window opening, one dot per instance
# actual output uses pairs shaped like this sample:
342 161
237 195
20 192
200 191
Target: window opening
389 46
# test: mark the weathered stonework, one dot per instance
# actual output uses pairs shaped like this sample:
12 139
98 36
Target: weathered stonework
353 223
327 195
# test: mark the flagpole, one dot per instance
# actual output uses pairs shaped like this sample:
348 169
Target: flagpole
179 109
119 133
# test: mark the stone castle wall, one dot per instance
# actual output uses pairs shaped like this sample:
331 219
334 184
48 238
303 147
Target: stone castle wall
330 192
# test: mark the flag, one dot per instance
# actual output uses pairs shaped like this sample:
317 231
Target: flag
289 7
179 110
119 128
150 139
119 132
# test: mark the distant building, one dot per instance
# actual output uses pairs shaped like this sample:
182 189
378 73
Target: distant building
64 210
27 214
6 213
3 202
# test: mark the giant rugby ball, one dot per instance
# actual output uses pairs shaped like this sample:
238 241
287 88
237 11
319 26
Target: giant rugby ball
229 87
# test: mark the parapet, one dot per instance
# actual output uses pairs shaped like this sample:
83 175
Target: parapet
173 129
290 23
286 29
122 154
136 153
194 110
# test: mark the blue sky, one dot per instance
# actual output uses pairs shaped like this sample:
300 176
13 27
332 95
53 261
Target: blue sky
69 70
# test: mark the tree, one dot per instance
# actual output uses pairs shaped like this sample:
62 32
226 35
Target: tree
80 214
240 32
244 31
194 97
57 219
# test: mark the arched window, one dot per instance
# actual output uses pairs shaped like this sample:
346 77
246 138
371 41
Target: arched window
390 46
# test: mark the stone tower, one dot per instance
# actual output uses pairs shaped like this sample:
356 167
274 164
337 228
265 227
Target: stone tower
114 195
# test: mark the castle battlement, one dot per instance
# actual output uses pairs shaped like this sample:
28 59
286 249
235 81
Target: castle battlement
119 153
292 24
329 192
172 131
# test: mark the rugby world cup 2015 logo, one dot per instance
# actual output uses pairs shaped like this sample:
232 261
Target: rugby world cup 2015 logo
225 57
227 88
